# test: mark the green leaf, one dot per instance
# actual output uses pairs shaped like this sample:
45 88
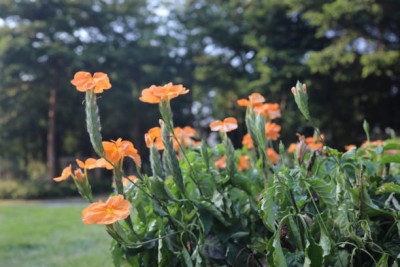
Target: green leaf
383 261
268 208
341 258
214 211
157 187
391 145
313 253
278 256
395 158
116 253
325 190
186 257
388 188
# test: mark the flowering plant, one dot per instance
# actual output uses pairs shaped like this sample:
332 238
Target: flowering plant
258 205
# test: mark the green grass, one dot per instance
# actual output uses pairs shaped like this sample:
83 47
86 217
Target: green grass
44 235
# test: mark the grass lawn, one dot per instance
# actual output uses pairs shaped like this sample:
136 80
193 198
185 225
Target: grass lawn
37 234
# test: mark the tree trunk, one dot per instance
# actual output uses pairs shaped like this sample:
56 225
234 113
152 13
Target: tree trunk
51 133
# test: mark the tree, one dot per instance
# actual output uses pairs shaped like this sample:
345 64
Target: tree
44 43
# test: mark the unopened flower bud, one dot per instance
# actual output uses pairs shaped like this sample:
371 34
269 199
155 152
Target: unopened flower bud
301 98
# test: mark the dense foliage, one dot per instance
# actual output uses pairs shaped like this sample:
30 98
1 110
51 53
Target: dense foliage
217 206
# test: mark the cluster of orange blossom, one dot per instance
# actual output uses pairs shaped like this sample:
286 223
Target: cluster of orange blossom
269 111
116 208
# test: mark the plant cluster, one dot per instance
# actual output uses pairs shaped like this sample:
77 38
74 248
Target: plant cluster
259 205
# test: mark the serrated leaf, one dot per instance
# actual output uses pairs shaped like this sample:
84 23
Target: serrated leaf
326 191
268 208
278 256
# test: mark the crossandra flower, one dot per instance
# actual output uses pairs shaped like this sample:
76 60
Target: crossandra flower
292 148
255 99
117 150
89 164
153 137
221 163
227 125
315 143
268 110
372 143
185 135
349 147
272 155
272 131
244 163
66 173
84 81
247 141
115 209
157 94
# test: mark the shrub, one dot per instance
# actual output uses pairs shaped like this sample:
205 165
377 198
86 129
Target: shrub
216 206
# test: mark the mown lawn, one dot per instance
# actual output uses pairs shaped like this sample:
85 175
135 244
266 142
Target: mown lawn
50 235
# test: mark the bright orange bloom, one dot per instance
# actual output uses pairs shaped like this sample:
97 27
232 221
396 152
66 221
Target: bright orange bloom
272 131
247 141
292 148
372 143
221 163
79 174
89 164
84 81
349 147
102 163
244 163
229 124
185 135
157 94
255 99
115 209
66 173
314 143
153 136
269 110
117 150
272 155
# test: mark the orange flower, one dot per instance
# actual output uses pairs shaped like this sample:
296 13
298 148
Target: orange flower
66 173
247 141
349 147
153 136
116 208
126 181
244 163
79 174
255 99
229 124
315 143
272 131
272 155
102 163
89 164
84 81
372 143
292 148
117 150
157 94
269 110
185 135
221 163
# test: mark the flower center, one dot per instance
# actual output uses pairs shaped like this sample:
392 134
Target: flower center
109 210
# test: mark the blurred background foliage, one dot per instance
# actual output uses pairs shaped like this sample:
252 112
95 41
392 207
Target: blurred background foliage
347 51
